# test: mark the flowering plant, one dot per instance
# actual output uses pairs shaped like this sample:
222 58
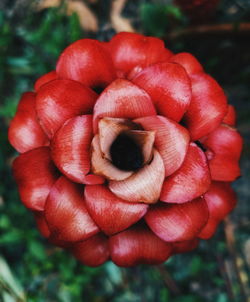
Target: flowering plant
127 151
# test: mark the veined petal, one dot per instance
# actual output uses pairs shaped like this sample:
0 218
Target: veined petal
88 62
185 246
178 222
188 61
60 100
207 108
190 181
111 213
42 223
138 245
225 143
230 117
25 133
102 166
169 87
66 213
35 175
171 140
50 76
91 179
130 49
93 251
123 99
70 147
220 199
144 185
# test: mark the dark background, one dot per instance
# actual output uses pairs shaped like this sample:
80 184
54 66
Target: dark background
32 35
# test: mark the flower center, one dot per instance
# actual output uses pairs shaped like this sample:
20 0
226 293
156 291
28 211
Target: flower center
126 154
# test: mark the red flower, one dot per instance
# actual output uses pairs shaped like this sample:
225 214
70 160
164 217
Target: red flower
137 172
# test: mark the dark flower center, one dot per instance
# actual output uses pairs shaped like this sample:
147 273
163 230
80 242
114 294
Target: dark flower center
126 154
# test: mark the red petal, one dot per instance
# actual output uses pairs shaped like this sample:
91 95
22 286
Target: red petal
190 181
124 100
102 166
25 132
185 246
88 62
188 61
207 108
129 50
171 140
178 222
60 100
66 213
169 87
70 147
221 199
230 117
144 185
111 213
35 174
225 143
92 179
93 251
42 224
138 245
50 76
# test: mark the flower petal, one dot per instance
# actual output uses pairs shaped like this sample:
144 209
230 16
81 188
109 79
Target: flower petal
220 199
111 213
224 148
42 224
109 129
25 133
207 108
188 61
35 174
60 100
169 87
178 222
102 166
144 185
91 179
171 140
190 181
93 251
230 117
123 99
86 61
138 245
66 213
70 147
47 77
185 246
130 49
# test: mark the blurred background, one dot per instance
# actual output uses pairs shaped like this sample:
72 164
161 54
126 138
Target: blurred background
32 35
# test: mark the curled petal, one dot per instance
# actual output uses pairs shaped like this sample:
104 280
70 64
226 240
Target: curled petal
70 147
207 108
220 199
188 61
25 133
61 100
66 213
129 50
185 246
93 251
138 245
123 99
102 166
50 76
86 61
178 222
171 140
144 185
190 181
109 129
225 143
111 213
42 224
35 174
91 179
169 87
230 117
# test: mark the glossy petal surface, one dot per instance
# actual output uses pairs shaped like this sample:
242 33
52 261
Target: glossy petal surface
50 76
188 61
